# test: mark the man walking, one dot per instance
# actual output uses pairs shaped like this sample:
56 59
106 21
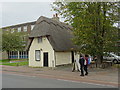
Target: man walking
82 61
83 64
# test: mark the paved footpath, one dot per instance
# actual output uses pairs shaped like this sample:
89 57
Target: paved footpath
96 76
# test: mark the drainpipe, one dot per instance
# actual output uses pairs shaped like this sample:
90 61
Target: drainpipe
54 59
18 55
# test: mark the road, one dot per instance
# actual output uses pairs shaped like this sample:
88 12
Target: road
21 81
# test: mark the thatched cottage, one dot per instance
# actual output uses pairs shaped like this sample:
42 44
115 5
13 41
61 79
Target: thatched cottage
50 44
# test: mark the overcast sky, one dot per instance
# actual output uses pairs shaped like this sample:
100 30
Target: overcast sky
22 12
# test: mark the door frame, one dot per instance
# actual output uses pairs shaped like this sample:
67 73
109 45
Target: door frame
45 64
72 56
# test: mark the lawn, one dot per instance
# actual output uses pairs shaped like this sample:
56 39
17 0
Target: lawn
16 64
7 60
4 60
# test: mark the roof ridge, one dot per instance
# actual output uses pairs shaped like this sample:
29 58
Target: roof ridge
56 23
59 38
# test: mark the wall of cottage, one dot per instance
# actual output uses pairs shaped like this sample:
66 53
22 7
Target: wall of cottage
44 46
63 58
54 58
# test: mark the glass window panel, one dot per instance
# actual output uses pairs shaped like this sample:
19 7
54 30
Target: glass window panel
37 55
25 28
19 29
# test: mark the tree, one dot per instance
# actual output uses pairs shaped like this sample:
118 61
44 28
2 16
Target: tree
12 41
93 25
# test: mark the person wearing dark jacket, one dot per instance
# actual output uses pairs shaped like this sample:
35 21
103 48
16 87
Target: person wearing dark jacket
86 64
81 61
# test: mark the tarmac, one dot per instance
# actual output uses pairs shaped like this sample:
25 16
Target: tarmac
107 76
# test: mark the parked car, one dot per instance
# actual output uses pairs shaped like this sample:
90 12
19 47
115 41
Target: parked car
112 57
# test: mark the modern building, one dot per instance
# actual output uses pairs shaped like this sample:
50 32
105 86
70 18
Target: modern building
24 27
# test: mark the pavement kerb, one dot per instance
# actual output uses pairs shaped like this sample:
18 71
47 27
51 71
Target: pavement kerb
58 75
64 78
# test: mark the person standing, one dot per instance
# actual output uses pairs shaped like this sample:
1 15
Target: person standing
86 64
73 67
82 61
77 62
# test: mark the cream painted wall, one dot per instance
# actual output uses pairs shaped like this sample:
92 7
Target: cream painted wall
57 58
63 58
44 46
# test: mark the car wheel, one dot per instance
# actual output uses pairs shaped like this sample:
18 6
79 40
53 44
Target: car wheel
115 61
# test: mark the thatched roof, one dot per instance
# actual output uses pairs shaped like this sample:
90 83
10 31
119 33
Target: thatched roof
58 34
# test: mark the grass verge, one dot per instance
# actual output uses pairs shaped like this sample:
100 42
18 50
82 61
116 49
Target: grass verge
4 60
7 60
16 64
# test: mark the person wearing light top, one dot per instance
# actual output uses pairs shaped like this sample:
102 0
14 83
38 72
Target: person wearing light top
77 62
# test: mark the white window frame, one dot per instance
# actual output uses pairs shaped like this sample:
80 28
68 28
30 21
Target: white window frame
19 29
32 26
25 28
13 54
37 55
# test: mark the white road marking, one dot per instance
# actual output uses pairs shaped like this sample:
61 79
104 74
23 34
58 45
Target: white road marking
86 83
22 75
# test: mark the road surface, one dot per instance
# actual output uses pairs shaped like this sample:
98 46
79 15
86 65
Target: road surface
21 81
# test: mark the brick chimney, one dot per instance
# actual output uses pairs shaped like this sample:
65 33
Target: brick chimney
55 17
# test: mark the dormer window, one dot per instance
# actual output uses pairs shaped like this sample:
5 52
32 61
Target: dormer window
39 39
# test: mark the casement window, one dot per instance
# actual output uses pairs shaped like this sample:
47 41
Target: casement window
19 29
37 55
13 54
25 28
39 39
18 54
23 54
32 26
